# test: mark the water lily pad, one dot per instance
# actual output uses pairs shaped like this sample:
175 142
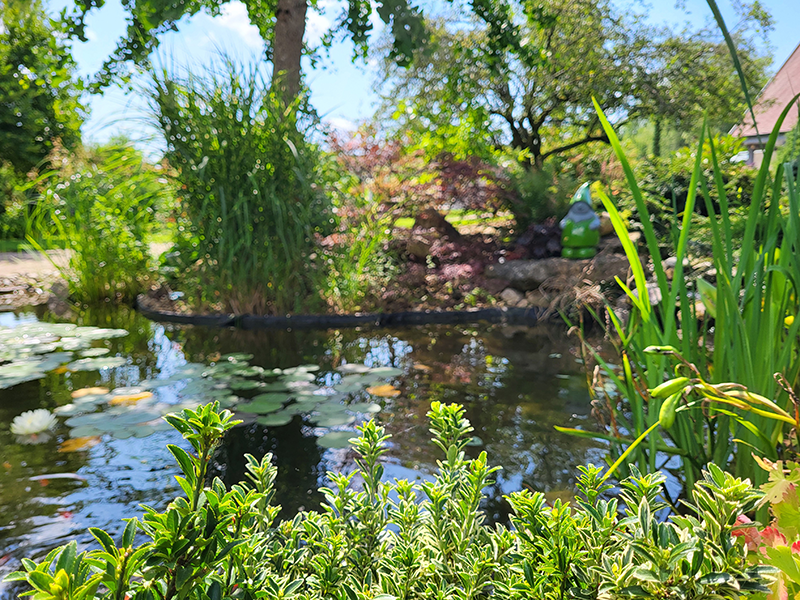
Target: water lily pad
85 431
301 369
248 371
127 391
69 410
353 368
93 352
260 407
277 386
191 370
272 397
309 402
150 384
75 343
331 408
246 384
276 419
214 394
336 439
386 371
123 433
364 407
228 401
301 386
237 357
87 401
298 376
332 420
131 416
97 364
93 419
98 333
349 388
143 431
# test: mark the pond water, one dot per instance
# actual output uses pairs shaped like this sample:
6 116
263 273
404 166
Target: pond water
295 391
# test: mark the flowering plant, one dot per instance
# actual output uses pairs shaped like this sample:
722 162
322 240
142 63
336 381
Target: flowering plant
778 544
33 421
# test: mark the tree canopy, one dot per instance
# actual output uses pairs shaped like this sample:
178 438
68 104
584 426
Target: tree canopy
281 23
39 93
522 75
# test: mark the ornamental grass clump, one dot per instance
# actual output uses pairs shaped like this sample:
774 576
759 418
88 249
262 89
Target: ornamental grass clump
250 207
100 205
378 539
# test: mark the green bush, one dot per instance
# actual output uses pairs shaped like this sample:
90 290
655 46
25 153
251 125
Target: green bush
39 92
250 206
13 203
99 204
665 186
402 539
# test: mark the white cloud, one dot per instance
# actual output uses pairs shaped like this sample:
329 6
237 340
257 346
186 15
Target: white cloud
233 17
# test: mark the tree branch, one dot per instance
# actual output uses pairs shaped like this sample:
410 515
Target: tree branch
586 140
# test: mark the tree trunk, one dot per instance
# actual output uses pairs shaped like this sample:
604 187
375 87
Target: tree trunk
290 26
657 137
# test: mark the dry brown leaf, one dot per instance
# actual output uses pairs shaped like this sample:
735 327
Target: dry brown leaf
78 444
92 391
386 390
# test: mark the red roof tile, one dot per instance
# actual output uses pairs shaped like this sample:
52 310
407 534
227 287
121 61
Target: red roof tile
773 99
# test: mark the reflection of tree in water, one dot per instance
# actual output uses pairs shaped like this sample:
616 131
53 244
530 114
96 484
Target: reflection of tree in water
296 455
271 348
508 385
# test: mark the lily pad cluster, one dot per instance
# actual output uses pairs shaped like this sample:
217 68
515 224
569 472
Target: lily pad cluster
295 391
28 352
274 396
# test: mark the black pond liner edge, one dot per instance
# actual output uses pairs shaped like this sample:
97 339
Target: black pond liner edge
510 316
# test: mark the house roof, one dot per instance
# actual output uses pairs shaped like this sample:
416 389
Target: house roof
773 99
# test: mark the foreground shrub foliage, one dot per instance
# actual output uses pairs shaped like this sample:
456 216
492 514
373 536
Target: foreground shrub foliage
404 539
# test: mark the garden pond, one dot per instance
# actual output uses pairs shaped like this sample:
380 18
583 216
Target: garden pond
109 376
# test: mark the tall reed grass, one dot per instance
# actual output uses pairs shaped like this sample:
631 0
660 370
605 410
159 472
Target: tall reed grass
99 205
750 338
250 208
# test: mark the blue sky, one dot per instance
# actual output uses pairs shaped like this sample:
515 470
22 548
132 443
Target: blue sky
340 91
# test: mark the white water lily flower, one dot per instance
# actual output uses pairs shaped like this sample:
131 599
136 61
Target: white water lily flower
33 421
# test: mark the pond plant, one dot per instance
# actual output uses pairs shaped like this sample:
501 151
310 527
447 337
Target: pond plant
743 337
405 539
250 209
100 205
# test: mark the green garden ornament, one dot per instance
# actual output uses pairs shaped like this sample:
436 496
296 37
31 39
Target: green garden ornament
580 229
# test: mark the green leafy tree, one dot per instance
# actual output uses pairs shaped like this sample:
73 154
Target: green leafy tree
521 76
282 25
39 93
